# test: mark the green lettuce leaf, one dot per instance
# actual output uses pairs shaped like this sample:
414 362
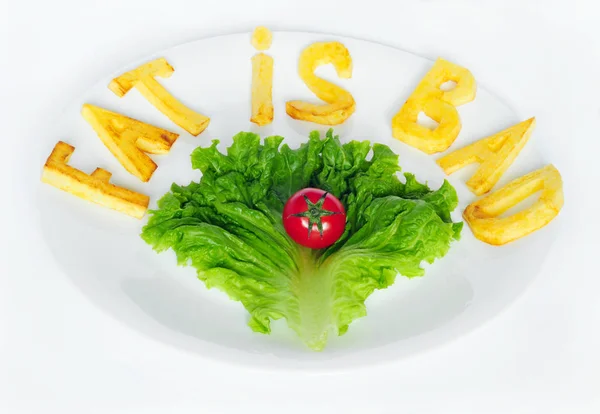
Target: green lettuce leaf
229 228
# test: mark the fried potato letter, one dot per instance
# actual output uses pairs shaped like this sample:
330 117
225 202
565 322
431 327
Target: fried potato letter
129 139
437 104
143 79
483 215
262 79
340 103
94 187
495 154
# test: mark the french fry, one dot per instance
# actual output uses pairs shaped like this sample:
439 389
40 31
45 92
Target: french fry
129 139
95 187
483 215
437 104
495 154
261 38
340 103
262 86
143 79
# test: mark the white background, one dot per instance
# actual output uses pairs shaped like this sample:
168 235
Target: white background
58 353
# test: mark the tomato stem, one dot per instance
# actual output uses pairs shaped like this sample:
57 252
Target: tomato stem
315 212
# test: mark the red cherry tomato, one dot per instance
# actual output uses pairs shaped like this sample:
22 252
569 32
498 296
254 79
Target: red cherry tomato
314 218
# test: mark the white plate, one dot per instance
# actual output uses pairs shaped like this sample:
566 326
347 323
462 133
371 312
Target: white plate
101 253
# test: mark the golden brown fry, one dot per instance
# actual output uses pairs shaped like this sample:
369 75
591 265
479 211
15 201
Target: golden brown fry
129 139
262 86
495 154
482 215
340 103
261 38
438 105
143 79
94 187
